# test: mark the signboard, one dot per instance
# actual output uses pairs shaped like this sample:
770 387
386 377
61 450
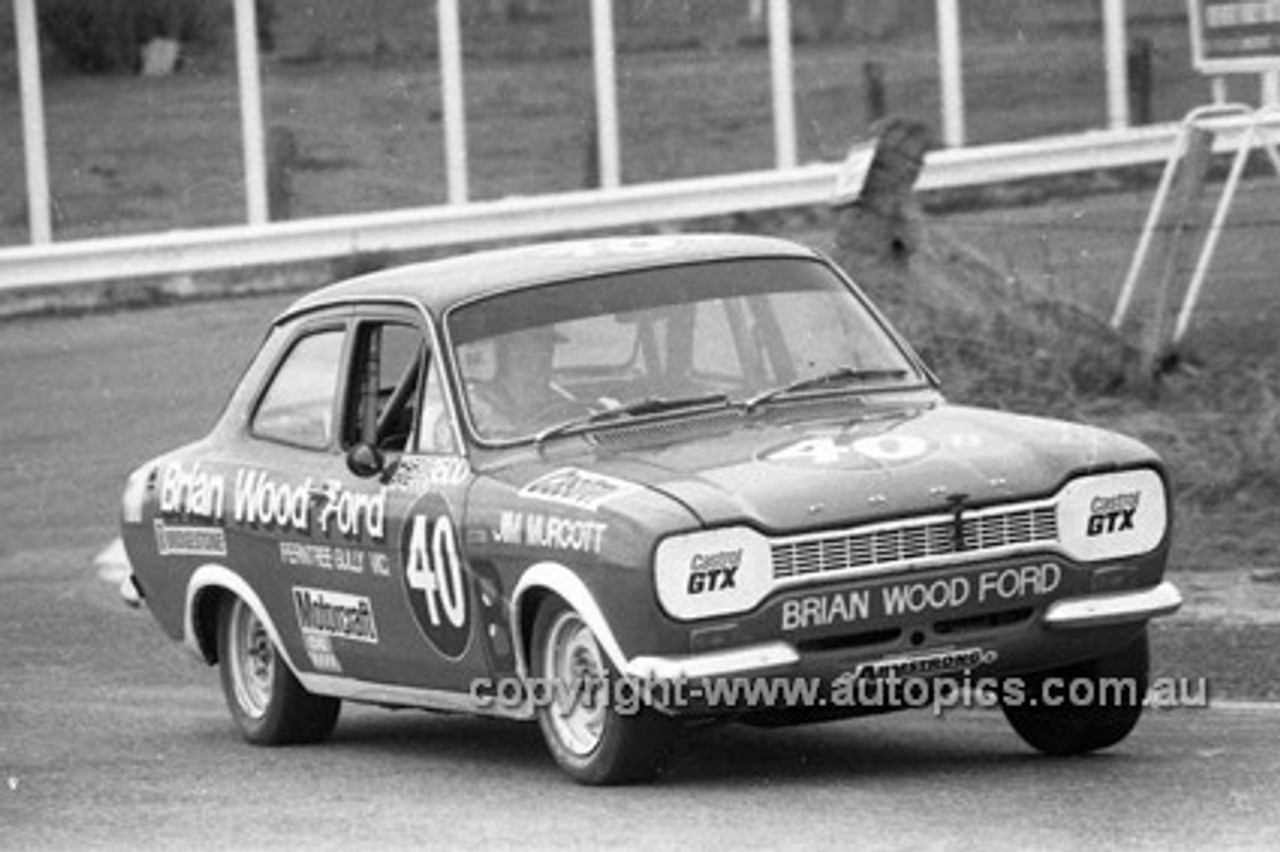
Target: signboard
1235 36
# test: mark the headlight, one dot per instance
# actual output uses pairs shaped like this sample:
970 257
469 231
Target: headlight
717 572
1112 516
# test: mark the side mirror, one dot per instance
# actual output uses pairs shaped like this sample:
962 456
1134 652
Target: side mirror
365 460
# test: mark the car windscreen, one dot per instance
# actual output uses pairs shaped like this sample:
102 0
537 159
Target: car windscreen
532 357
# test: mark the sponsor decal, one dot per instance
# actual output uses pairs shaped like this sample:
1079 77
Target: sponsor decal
425 474
1112 514
297 554
189 541
714 572
435 582
320 651
536 529
192 493
580 489
335 614
260 500
924 596
930 663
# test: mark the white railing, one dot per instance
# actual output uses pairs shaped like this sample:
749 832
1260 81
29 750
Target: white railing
35 157
49 263
177 252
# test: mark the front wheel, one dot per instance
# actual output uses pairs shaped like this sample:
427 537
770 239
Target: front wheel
1083 707
592 736
266 701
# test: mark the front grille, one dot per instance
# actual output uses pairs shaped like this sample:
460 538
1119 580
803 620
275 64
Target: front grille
887 546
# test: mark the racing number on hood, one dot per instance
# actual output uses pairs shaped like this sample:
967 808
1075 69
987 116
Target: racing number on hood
845 450
435 581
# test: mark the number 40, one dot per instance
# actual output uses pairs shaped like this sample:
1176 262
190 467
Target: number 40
436 570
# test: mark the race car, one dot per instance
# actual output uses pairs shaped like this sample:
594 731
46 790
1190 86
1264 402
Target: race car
620 485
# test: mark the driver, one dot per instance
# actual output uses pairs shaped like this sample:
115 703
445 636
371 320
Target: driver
522 393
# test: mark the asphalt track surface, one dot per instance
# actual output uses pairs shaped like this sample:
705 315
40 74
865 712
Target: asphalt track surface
113 737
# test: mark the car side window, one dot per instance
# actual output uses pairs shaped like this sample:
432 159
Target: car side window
436 427
298 405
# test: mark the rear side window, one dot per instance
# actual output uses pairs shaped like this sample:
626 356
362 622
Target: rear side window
299 404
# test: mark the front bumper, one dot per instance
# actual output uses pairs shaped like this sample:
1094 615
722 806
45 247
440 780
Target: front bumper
1117 608
1076 613
130 593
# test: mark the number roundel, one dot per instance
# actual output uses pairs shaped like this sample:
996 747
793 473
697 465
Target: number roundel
434 578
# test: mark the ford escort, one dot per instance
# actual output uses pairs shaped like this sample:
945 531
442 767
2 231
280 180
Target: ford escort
617 485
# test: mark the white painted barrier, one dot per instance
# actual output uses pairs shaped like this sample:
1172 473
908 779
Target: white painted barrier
177 252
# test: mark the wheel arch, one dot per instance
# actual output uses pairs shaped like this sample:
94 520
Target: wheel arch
542 581
209 586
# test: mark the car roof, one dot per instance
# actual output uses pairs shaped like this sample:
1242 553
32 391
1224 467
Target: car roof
438 284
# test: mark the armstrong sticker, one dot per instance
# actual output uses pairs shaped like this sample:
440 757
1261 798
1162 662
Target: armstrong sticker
580 489
189 541
335 614
930 663
435 580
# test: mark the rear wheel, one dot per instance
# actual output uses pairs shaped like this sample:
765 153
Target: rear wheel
590 734
266 701
1097 703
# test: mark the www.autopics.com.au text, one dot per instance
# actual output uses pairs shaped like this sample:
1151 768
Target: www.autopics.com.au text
629 695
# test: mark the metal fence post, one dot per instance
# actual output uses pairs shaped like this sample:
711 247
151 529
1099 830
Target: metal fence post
951 73
251 132
34 146
606 105
454 108
1114 38
780 68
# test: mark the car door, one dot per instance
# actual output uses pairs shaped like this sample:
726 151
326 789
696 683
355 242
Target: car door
397 421
308 536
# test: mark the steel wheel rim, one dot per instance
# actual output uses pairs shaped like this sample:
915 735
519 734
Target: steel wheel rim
253 661
574 663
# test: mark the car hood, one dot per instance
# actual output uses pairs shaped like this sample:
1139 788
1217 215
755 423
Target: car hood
850 464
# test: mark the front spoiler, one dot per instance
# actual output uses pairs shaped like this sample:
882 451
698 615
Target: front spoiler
1069 614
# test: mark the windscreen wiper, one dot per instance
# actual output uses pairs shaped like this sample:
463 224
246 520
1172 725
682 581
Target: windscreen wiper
838 376
637 408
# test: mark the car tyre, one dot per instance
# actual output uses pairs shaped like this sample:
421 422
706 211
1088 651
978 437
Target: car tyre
266 701
593 739
1070 729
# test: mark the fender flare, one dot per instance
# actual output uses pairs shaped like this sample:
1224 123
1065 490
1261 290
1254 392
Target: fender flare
211 577
562 582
